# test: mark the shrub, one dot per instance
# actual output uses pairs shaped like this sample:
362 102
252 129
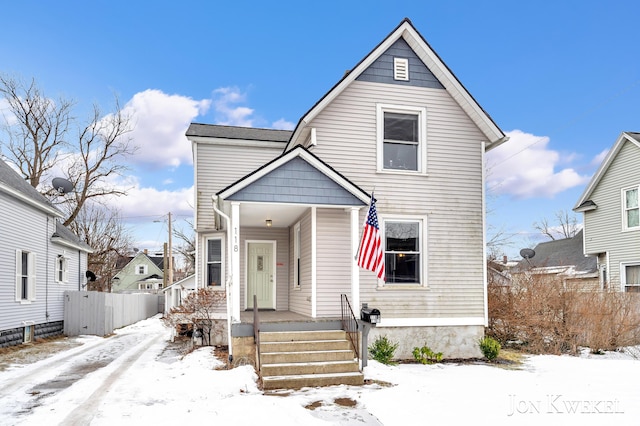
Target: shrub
382 350
490 347
425 355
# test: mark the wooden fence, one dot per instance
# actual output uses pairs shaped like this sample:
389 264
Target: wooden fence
97 313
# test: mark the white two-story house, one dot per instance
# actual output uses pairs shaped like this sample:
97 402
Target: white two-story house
279 214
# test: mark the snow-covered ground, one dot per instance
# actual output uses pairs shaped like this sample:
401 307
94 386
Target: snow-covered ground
133 378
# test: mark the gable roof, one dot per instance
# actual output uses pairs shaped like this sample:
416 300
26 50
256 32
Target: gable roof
233 132
325 171
584 202
13 184
565 252
430 58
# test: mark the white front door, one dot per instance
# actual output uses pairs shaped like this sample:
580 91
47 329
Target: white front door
260 275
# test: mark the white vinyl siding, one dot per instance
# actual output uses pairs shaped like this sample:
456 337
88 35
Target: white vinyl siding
450 195
604 227
300 301
334 260
25 276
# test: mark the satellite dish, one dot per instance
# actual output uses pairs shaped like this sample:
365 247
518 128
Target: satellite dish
527 253
62 185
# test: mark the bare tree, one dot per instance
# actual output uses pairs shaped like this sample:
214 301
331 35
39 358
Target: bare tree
39 138
35 127
187 247
198 311
565 226
102 229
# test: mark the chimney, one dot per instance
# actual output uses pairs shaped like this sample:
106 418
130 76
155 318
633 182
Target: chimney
504 259
146 251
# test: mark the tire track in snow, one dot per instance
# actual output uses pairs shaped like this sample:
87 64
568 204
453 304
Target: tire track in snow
83 414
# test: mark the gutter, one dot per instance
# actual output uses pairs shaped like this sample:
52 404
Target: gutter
229 281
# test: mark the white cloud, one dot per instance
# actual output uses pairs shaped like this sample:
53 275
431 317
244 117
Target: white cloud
147 202
227 112
161 121
598 159
524 167
283 124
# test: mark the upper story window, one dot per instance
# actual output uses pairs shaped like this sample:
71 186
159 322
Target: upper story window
214 262
25 276
631 208
403 242
141 269
401 139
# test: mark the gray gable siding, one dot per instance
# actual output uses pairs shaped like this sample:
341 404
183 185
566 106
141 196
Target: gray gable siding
381 71
298 182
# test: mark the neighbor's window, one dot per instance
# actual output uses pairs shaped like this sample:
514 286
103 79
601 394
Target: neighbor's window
631 278
141 269
214 262
631 209
401 139
25 276
402 244
61 269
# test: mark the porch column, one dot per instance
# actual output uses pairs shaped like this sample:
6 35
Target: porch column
355 269
235 260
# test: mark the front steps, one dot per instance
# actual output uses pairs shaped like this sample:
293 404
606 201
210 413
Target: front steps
297 359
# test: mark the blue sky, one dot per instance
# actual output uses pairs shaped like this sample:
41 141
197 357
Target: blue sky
560 77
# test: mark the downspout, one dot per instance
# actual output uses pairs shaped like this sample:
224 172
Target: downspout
229 283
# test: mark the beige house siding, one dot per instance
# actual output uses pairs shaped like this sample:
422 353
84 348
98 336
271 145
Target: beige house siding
300 298
449 196
604 226
334 260
216 166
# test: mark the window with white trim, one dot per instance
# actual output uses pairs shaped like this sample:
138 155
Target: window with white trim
403 257
25 276
62 275
214 262
297 241
630 274
631 208
141 269
401 138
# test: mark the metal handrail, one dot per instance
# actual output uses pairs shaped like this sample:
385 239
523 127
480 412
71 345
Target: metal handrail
256 330
349 323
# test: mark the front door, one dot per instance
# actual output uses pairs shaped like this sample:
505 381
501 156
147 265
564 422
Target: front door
260 275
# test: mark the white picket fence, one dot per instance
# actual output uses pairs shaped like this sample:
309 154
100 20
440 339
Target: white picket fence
97 313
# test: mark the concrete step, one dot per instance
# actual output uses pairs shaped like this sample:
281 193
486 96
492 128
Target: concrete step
306 356
292 336
304 346
311 380
298 368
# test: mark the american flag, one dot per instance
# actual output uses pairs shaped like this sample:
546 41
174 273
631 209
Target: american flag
370 253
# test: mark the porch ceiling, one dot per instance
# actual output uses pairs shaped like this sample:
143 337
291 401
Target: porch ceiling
281 215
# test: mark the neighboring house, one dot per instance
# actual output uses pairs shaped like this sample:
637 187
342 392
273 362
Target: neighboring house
141 273
39 260
279 213
176 293
498 271
564 259
611 215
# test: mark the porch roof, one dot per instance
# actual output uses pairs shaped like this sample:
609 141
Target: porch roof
296 177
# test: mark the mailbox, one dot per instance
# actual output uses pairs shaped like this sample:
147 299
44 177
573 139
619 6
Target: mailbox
370 315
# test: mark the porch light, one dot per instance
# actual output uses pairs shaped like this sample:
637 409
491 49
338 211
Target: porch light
268 222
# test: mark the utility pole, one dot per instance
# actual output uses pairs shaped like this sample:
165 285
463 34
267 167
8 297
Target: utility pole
170 274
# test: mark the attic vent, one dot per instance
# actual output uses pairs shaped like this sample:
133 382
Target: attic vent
401 69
